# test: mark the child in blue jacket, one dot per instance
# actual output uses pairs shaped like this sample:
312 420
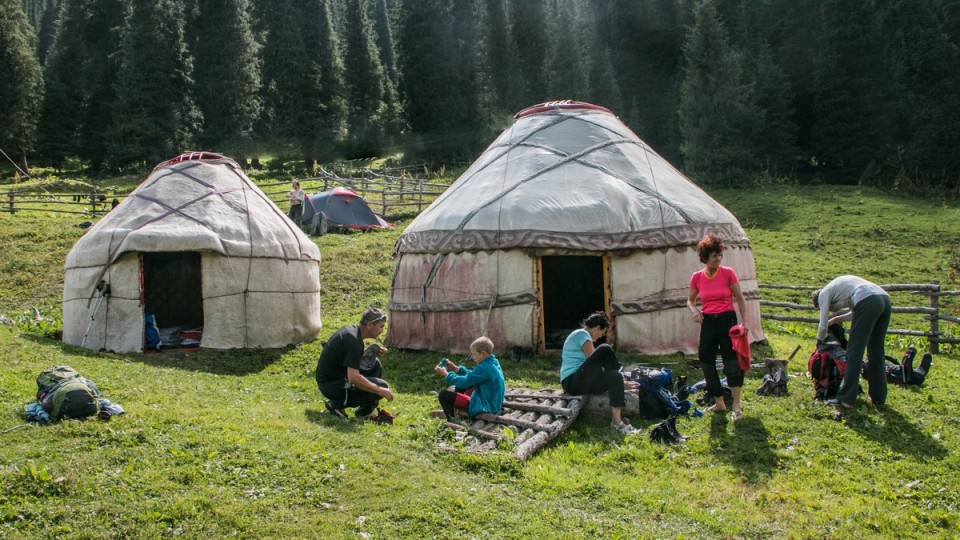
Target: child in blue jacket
478 390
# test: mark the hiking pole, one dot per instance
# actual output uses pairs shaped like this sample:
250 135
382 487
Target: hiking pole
104 289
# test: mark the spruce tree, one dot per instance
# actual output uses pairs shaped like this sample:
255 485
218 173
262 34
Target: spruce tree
21 86
775 137
425 49
155 117
102 36
501 60
383 29
61 111
227 74
563 72
366 83
532 42
47 29
713 104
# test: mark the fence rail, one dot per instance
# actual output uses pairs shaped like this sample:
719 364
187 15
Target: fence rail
930 313
391 192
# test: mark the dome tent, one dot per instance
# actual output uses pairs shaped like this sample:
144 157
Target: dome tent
565 213
341 207
195 244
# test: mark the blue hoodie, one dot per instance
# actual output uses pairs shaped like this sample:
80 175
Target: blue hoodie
488 386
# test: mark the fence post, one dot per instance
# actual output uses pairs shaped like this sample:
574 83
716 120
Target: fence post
10 194
935 321
420 201
383 197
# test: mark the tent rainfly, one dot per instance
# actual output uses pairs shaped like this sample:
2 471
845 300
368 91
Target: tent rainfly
340 207
196 244
567 212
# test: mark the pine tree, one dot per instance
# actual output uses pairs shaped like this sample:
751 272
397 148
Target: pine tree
227 74
366 83
385 44
714 104
532 42
775 136
155 117
501 58
563 70
61 111
21 87
102 36
47 30
601 83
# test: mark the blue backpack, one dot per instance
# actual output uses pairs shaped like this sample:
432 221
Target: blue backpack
656 399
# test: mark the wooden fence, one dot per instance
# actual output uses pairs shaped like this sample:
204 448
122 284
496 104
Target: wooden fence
930 312
388 191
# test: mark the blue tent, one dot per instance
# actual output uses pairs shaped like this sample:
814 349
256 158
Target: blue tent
341 207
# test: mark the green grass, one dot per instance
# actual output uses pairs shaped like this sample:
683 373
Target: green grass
219 444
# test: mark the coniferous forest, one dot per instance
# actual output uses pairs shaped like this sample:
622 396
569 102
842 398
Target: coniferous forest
731 91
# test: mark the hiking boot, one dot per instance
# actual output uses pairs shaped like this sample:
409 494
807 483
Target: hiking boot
336 411
624 428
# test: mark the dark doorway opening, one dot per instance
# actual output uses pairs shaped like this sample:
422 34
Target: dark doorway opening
572 289
171 288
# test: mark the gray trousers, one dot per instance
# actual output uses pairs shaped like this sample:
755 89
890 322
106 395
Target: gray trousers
871 317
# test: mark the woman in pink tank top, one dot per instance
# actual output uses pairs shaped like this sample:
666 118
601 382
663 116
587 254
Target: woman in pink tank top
717 287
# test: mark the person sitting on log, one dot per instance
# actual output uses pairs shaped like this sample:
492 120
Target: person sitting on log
586 369
478 390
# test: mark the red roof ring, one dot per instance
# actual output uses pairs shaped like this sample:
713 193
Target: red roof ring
558 105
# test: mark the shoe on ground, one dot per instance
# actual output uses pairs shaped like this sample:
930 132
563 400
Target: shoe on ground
624 428
336 411
736 415
838 404
365 411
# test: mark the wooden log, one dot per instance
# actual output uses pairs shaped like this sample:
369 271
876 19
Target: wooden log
540 396
474 431
513 422
536 407
539 440
599 405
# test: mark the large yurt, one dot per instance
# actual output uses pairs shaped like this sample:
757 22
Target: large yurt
196 246
567 212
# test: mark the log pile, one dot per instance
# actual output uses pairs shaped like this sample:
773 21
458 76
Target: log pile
528 421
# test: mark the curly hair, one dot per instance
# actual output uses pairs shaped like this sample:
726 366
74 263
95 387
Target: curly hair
596 319
710 244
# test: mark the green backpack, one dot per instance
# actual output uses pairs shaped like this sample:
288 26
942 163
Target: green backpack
65 394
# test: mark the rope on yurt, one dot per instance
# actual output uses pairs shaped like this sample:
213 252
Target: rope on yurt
663 225
503 182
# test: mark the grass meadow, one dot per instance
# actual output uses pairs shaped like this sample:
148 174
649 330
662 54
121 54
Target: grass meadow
237 443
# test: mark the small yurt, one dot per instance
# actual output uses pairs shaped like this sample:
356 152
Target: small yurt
566 213
198 247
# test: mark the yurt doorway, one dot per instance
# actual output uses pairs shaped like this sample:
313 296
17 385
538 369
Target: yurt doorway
171 288
572 287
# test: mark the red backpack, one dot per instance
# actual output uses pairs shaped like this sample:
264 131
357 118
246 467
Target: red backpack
826 368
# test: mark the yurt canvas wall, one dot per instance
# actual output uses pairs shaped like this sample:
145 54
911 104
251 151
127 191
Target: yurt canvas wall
567 212
196 244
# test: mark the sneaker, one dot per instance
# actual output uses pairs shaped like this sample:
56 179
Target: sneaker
365 411
336 411
624 428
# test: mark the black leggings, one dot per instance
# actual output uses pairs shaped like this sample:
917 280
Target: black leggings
599 373
715 332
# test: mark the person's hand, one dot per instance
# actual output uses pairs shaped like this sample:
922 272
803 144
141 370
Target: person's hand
630 385
835 320
385 393
698 316
440 370
383 350
452 368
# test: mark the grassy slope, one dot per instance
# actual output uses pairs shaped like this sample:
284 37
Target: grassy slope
230 443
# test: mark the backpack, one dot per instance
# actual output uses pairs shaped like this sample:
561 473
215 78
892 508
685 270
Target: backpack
63 393
827 367
655 400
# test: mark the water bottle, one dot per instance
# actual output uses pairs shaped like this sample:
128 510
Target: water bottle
443 363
